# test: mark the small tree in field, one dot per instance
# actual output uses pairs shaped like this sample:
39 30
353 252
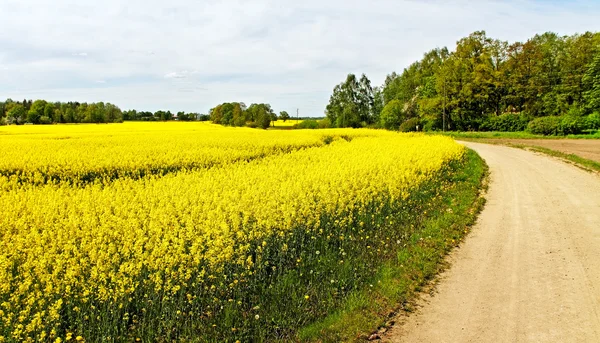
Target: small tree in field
283 115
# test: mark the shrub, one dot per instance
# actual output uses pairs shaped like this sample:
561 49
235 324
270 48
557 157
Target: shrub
563 125
570 125
325 123
592 122
307 124
544 126
508 122
574 111
391 115
410 125
45 120
3 121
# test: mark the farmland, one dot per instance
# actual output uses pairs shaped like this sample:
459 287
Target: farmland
192 231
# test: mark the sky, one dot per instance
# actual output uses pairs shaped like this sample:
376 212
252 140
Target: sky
190 55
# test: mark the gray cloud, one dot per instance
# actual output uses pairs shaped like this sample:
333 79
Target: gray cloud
190 55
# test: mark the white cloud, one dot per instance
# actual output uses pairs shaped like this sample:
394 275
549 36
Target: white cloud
176 75
191 54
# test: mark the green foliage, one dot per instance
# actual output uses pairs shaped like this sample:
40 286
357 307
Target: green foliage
410 125
236 114
17 114
44 112
508 122
591 80
324 123
556 125
548 75
283 115
307 124
391 115
353 103
3 121
593 121
45 120
36 111
544 126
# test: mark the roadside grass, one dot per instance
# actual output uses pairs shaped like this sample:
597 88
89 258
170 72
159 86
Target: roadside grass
512 135
399 280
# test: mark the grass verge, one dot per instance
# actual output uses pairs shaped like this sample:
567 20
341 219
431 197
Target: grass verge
399 280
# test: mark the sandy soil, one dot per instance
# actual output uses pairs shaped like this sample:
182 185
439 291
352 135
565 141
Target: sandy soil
530 270
586 148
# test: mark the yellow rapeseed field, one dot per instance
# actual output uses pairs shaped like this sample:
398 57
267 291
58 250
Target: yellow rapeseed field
287 123
166 232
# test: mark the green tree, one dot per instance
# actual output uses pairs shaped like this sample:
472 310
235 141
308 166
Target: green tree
51 113
113 114
352 103
261 115
283 115
238 115
36 111
17 114
591 82
392 115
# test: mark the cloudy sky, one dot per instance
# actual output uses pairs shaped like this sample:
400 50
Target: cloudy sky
193 54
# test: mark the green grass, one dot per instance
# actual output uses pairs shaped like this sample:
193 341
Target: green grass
398 280
513 135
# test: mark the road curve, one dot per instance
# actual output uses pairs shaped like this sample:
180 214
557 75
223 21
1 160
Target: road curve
530 269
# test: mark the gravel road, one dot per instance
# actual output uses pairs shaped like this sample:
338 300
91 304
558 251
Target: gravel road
530 269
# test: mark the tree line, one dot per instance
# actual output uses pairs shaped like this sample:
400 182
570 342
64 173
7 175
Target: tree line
133 115
238 114
484 84
45 112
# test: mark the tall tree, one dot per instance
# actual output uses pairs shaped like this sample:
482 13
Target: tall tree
283 115
591 82
352 103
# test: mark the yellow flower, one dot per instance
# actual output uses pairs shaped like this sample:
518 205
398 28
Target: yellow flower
96 214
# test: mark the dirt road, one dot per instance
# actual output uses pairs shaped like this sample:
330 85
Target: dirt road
586 148
530 270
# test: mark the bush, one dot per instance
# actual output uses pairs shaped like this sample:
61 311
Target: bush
307 124
508 122
574 111
570 125
3 121
592 122
45 120
544 126
564 125
324 124
410 125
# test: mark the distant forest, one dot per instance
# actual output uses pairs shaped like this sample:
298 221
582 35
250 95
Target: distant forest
484 84
44 112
